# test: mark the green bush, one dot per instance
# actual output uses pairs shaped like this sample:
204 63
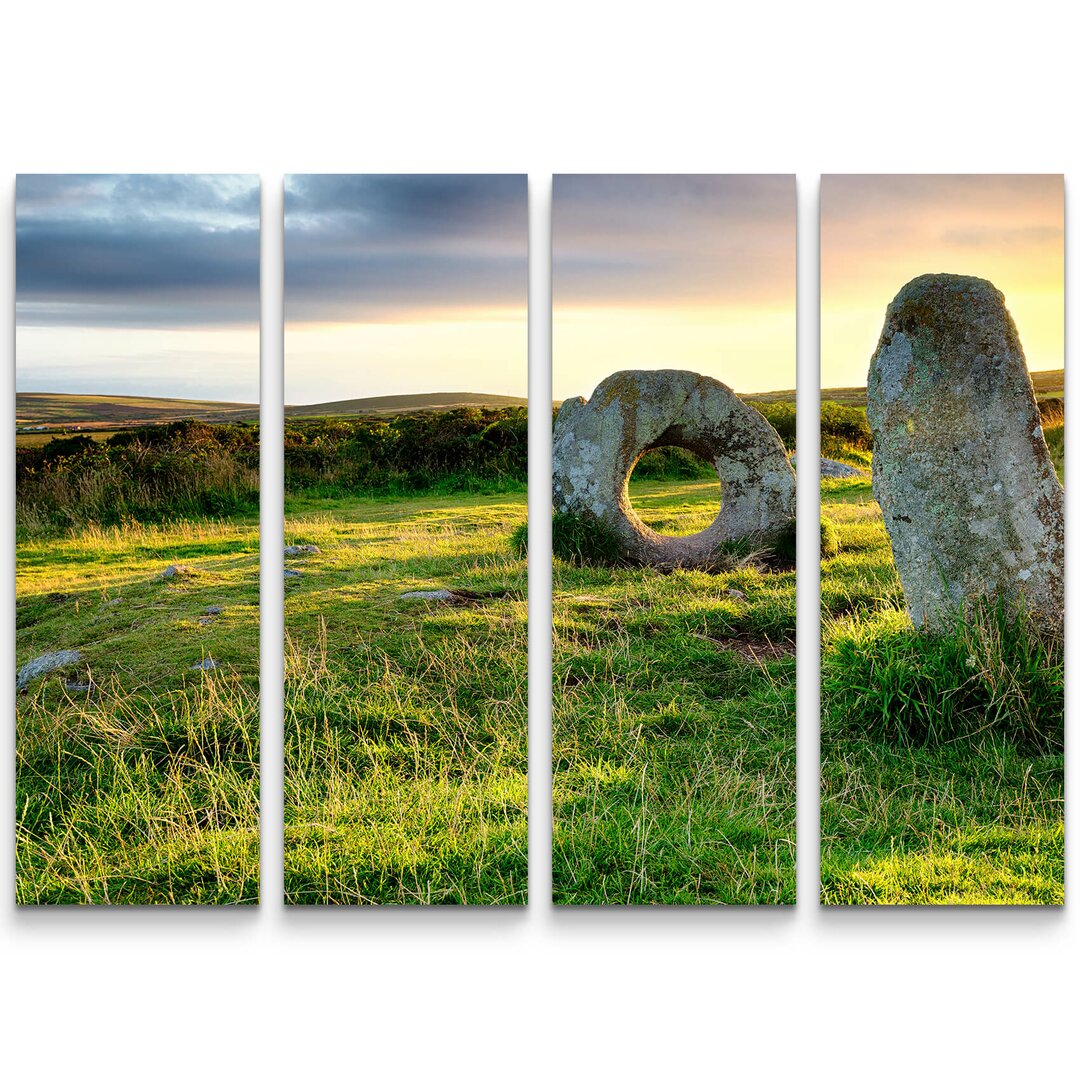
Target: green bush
781 414
148 474
1052 412
783 544
458 450
830 539
843 427
991 673
583 542
519 541
672 463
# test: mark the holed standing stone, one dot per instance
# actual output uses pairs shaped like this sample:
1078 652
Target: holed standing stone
597 443
961 471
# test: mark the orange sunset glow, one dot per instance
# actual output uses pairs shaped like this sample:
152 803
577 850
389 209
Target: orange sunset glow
879 232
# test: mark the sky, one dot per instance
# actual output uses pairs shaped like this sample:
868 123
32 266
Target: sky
138 285
692 272
879 232
405 285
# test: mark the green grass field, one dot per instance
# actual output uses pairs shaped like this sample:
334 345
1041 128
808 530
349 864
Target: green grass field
674 726
406 730
973 819
137 777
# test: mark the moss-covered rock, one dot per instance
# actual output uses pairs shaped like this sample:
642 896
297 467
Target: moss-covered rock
597 443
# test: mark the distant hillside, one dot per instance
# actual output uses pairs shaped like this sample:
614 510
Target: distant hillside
764 396
1046 384
771 395
91 411
109 412
402 403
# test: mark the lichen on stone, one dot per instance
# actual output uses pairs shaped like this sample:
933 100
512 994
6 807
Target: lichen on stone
960 466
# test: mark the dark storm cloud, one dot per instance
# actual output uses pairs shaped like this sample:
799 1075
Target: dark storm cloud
669 240
166 251
382 247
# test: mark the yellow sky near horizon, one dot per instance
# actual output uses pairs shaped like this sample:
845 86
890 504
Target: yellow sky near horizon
199 363
879 232
686 271
749 348
481 351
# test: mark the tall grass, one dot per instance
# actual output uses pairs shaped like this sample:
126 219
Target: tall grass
406 721
153 474
136 774
673 725
990 672
126 797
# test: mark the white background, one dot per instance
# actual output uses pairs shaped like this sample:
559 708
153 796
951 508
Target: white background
540 88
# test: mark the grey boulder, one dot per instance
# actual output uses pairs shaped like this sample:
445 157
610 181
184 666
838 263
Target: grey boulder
44 664
597 443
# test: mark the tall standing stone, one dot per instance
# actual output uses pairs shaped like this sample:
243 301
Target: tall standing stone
971 501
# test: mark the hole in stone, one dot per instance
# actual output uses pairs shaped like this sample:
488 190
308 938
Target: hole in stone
675 491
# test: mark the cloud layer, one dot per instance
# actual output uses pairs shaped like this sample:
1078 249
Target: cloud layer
673 241
386 248
139 251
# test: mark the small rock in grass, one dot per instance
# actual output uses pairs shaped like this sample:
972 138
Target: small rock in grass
58 597
42 665
444 596
175 571
735 594
213 609
113 603
293 573
74 686
837 470
206 664
303 549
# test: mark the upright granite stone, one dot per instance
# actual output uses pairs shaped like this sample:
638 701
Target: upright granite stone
597 443
961 471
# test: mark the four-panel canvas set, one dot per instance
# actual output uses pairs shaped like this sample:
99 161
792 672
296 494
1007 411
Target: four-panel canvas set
407 535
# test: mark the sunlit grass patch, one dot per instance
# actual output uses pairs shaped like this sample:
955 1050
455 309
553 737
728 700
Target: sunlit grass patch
1018 867
137 777
406 720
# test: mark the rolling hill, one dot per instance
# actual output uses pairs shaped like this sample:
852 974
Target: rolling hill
108 412
39 412
402 403
112 411
1045 383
